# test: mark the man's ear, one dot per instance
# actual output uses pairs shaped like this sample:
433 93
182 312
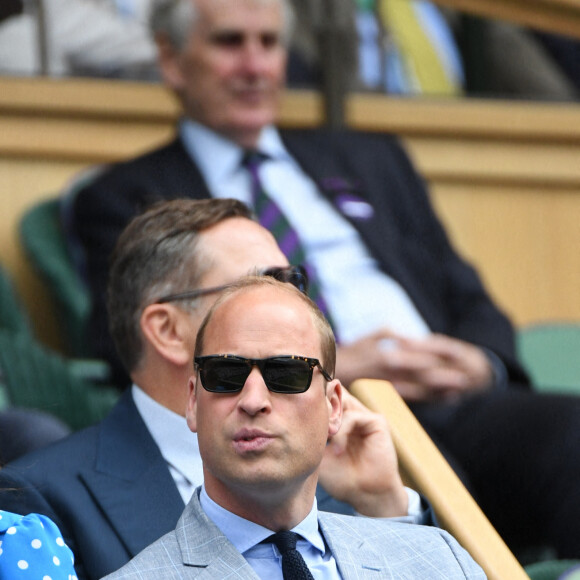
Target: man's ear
169 59
168 330
191 409
334 398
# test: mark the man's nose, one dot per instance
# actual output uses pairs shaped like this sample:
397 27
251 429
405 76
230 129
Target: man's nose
256 57
255 397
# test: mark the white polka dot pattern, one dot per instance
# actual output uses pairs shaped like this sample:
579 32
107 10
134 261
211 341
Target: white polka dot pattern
32 547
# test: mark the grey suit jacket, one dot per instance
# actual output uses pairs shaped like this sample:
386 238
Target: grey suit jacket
364 548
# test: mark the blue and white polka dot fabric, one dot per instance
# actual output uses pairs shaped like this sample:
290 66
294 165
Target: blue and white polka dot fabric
31 548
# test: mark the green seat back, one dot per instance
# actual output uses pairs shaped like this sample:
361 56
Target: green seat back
550 569
551 353
43 240
36 377
12 314
12 319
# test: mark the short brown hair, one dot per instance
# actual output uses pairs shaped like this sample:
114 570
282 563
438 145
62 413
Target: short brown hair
155 255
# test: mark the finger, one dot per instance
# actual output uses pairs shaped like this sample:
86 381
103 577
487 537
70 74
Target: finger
350 402
357 429
446 378
438 373
441 346
383 334
407 365
362 423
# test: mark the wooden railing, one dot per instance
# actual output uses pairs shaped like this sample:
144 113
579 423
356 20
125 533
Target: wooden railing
504 176
424 468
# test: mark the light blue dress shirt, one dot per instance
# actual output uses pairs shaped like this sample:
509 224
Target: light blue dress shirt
177 444
265 559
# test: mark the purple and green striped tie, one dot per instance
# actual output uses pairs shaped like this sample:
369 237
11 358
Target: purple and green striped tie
271 217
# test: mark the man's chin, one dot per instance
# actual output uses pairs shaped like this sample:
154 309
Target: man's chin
257 477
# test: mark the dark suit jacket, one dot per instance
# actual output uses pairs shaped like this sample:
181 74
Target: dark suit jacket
109 491
403 235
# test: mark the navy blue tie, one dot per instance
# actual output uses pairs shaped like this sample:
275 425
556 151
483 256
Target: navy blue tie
293 565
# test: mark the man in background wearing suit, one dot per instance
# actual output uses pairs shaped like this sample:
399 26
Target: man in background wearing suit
118 486
264 404
404 306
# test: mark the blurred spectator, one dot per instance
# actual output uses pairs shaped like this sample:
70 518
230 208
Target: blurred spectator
406 47
417 48
508 61
83 37
395 46
566 52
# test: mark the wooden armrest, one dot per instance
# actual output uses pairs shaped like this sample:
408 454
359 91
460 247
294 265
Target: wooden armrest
425 469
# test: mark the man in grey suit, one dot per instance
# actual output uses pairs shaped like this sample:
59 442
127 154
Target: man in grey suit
264 405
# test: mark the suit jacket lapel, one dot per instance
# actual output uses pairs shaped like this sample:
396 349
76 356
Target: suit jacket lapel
130 480
204 546
355 558
209 553
337 173
179 167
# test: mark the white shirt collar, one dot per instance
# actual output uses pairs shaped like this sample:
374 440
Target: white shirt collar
178 445
206 146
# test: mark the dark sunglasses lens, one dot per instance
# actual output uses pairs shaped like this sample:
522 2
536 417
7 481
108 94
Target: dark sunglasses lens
287 375
294 275
223 375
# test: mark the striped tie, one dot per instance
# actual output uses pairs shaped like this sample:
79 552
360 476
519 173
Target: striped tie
270 216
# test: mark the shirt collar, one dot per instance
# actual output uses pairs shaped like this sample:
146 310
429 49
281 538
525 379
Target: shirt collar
199 140
170 431
244 534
